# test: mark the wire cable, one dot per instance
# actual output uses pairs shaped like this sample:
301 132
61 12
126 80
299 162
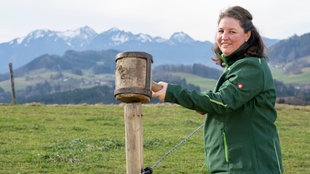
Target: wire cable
149 170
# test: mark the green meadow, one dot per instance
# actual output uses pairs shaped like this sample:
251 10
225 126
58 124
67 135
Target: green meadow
37 138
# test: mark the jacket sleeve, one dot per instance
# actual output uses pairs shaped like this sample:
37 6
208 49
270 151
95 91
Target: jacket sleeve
242 83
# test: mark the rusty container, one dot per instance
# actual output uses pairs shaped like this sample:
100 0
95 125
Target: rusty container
133 77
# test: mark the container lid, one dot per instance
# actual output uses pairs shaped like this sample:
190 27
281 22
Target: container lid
137 54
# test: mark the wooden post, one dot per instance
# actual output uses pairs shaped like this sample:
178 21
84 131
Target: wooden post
12 84
133 138
132 86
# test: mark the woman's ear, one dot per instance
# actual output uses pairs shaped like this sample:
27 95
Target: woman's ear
247 35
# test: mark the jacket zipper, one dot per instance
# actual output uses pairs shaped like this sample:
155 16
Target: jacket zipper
225 147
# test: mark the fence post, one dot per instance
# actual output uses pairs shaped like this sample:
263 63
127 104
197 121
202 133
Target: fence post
133 87
133 137
12 84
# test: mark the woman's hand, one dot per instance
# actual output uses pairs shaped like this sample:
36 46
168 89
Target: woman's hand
161 94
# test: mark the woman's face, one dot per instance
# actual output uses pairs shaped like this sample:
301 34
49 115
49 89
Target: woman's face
230 35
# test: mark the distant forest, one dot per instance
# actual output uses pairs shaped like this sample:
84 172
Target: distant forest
46 93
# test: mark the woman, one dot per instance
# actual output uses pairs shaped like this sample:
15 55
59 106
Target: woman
240 134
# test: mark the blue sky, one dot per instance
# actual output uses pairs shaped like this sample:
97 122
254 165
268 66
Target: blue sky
278 19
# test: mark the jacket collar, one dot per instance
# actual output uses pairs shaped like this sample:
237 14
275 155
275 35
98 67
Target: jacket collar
236 55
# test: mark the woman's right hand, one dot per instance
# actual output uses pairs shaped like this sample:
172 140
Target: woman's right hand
161 94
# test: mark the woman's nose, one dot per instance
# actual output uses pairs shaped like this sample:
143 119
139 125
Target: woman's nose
224 36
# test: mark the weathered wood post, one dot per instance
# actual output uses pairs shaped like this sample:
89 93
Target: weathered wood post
133 138
133 87
12 84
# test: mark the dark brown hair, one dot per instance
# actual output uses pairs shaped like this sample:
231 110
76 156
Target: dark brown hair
255 47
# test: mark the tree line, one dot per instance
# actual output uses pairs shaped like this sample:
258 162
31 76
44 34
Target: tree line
288 94
51 93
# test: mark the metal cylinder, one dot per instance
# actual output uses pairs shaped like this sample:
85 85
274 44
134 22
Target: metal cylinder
133 77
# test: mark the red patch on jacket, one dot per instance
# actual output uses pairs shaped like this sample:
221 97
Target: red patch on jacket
240 85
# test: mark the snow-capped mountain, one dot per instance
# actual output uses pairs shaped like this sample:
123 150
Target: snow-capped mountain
73 38
179 48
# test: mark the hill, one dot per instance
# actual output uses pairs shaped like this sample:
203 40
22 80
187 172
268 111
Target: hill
289 50
99 62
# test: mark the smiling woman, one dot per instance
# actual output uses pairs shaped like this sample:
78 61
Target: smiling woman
240 133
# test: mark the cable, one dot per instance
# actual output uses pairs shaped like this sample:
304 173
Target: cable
149 170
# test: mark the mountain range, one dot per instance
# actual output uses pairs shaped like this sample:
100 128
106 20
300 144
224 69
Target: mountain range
82 59
180 47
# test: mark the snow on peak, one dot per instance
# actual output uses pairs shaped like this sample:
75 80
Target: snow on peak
35 35
38 34
87 29
113 30
181 37
69 33
144 38
16 41
84 32
120 38
159 39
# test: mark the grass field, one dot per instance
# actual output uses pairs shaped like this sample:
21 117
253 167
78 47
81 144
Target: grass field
38 138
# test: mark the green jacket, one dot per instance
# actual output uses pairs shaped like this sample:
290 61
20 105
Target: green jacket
240 134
